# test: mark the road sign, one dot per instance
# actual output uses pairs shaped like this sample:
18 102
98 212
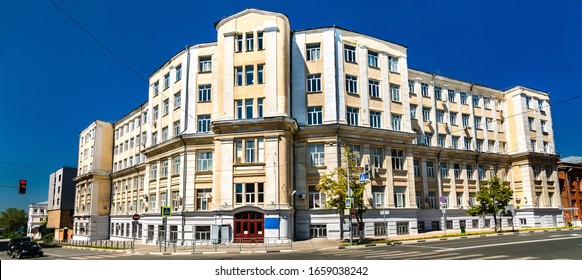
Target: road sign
166 211
385 212
443 199
362 177
136 217
348 203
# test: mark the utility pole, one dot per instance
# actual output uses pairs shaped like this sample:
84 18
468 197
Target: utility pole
350 198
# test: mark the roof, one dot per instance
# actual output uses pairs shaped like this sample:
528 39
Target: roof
571 160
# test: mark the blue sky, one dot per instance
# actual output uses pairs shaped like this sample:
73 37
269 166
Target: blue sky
56 79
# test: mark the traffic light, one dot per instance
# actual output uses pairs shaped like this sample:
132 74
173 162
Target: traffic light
367 171
22 187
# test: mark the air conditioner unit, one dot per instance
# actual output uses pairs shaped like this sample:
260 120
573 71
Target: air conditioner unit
301 196
154 124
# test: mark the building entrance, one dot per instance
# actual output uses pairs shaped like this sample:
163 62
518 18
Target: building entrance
248 227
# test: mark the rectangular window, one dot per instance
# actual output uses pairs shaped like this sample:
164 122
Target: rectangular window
465 120
528 103
534 145
413 111
156 112
396 122
239 109
464 98
316 154
541 105
378 196
469 171
416 169
467 143
546 147
351 84
399 197
375 119
166 108
479 145
475 100
250 72
486 103
238 154
373 59
313 51
397 159
441 139
239 43
353 116
167 80
316 198
249 108
176 128
165 168
489 124
451 94
356 154
430 169
314 83
179 72
427 139
531 122
164 133
250 193
204 161
544 126
395 92
238 193
203 123
424 90
203 199
154 170
438 93
350 53
411 86
377 157
261 74
156 87
176 165
393 64
444 170
314 115
177 100
260 44
250 151
491 146
481 172
238 76
425 114
205 64
250 42
260 102
440 116
477 122
457 169
455 142
374 88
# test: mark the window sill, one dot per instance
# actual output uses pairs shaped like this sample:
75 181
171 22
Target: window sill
394 72
353 93
204 72
313 92
203 172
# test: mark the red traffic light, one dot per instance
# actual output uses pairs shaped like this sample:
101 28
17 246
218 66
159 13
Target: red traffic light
22 188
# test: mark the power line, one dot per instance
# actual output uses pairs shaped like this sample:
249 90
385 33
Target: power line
26 165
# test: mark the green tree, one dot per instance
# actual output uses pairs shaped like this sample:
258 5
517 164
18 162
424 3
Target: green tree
335 186
493 198
12 220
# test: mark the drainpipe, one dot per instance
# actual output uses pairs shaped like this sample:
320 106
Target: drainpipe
568 190
182 199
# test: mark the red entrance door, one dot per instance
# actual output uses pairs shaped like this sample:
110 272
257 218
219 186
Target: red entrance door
248 227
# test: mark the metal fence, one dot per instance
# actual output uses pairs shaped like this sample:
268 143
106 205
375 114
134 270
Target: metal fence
233 245
93 243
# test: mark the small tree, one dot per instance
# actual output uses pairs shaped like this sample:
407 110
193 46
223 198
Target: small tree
13 220
492 198
335 186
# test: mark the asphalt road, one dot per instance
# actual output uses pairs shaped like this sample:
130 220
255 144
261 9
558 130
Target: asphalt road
553 245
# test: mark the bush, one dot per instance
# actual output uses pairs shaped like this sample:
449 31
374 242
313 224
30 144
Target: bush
48 236
569 224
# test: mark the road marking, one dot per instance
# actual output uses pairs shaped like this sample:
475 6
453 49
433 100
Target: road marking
495 257
465 256
437 256
527 258
503 244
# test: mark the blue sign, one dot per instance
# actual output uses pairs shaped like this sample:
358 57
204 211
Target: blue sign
362 177
271 223
166 211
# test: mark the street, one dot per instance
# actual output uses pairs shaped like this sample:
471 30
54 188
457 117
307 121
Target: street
554 245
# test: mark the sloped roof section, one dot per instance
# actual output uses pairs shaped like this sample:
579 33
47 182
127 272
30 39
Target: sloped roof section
571 160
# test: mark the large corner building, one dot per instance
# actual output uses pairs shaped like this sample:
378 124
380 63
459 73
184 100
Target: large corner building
235 135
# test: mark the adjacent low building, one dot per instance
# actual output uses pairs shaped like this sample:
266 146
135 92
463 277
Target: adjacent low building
61 203
235 135
570 174
37 213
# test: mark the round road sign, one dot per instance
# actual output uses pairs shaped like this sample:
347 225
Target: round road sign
136 217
